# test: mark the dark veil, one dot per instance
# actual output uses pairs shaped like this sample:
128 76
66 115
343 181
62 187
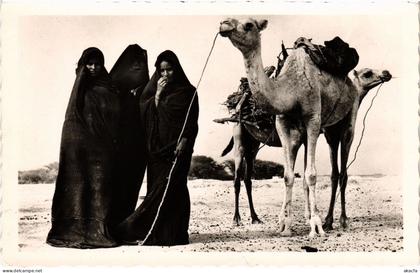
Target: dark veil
175 99
163 123
179 74
130 75
83 80
130 71
81 202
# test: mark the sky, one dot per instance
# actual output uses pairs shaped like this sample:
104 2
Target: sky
48 48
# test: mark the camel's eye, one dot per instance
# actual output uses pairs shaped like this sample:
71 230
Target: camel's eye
367 74
248 26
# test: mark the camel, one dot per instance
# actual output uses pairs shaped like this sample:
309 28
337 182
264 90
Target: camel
245 143
342 134
304 100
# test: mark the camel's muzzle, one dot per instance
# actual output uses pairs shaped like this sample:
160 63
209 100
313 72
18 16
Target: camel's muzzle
225 28
386 76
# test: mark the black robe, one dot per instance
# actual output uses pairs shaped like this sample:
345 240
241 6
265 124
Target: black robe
163 125
83 189
130 75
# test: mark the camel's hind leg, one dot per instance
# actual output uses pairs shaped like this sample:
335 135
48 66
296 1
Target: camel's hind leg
238 150
250 155
313 129
290 139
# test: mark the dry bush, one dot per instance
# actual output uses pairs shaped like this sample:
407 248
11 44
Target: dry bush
46 174
262 169
204 167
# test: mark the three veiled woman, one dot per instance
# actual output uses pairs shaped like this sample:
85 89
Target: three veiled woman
83 191
164 104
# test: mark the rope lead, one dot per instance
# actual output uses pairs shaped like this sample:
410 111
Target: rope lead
364 126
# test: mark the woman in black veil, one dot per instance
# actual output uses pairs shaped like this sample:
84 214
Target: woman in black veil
130 75
81 201
164 104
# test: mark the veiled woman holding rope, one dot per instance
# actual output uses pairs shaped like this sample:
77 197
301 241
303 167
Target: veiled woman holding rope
81 203
169 113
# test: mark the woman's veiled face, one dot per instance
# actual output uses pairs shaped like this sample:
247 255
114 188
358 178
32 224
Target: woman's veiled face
166 71
94 66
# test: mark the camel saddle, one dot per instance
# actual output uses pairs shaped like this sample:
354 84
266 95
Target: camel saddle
336 57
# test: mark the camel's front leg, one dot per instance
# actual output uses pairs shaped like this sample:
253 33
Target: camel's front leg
313 129
346 142
306 188
290 140
332 136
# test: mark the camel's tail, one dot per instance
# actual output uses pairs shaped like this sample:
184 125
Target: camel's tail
228 147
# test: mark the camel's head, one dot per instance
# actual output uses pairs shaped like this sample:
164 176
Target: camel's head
244 34
368 78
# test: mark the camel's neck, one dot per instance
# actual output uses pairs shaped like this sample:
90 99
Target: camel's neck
362 92
258 81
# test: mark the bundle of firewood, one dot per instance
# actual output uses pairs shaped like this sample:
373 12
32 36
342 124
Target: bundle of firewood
244 108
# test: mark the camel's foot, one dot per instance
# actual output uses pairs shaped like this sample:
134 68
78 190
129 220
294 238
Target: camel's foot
256 220
286 233
343 222
285 223
316 226
328 225
237 220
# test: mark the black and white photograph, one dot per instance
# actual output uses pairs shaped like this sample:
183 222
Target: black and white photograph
210 134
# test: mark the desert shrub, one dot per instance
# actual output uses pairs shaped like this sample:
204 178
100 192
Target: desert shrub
53 167
262 169
267 169
29 177
46 174
205 167
229 165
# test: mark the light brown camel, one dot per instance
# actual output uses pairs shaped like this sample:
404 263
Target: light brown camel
245 143
304 100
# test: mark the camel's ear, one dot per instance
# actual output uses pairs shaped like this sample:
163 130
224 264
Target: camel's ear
262 24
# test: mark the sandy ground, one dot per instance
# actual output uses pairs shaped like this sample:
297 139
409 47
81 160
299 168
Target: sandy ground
374 206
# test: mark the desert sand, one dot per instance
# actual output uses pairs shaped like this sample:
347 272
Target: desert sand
374 208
